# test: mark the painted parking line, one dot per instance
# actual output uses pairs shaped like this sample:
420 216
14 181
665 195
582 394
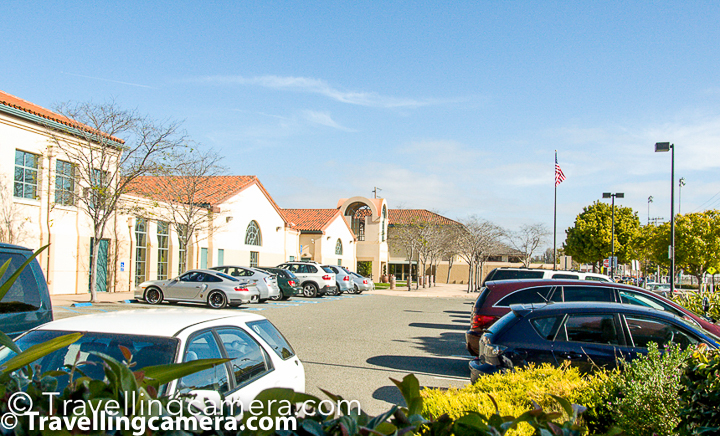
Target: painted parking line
66 308
254 309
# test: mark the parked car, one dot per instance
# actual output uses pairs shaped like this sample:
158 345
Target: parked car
660 288
361 284
262 357
537 273
287 282
214 288
343 281
266 282
27 303
315 279
585 334
496 298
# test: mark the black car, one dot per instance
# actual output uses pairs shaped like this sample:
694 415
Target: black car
287 282
582 333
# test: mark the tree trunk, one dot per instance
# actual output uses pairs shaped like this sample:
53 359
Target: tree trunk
470 276
450 264
93 269
409 276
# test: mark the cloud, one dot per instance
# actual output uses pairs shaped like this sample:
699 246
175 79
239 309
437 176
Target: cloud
317 86
108 80
324 119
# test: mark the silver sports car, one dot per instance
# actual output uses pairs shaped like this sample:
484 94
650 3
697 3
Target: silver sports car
214 288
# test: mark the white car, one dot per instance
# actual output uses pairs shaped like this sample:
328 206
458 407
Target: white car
262 357
266 283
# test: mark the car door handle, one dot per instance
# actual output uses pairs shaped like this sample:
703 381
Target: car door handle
572 355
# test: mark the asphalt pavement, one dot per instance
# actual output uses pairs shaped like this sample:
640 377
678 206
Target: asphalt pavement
352 344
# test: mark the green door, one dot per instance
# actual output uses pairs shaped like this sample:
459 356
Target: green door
102 267
203 258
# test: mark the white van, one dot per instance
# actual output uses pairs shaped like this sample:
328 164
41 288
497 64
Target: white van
537 273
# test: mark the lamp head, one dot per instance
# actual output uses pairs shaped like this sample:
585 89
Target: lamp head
607 195
662 146
620 195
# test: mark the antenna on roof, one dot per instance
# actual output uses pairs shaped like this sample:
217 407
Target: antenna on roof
374 191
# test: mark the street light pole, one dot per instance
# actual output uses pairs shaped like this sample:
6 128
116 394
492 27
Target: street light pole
661 147
612 229
650 200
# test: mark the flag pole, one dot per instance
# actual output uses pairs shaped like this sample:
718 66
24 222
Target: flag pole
555 219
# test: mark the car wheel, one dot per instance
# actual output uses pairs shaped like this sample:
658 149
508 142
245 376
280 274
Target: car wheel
217 300
255 299
355 289
277 297
285 297
310 290
153 296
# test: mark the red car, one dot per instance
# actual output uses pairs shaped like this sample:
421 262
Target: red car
497 296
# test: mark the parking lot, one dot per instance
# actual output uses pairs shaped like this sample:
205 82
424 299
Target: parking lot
352 344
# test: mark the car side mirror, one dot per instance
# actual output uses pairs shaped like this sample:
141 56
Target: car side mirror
705 304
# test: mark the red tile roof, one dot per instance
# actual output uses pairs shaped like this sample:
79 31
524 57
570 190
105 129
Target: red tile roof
31 108
310 220
213 190
409 216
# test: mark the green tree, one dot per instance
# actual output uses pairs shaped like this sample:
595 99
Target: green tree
697 242
589 240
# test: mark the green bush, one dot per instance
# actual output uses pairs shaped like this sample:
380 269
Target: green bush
597 396
693 301
647 400
699 411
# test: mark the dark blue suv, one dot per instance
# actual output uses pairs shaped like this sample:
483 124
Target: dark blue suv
27 303
585 334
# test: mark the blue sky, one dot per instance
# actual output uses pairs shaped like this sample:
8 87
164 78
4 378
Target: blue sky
450 106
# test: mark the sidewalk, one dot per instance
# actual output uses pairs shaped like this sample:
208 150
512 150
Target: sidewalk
439 290
68 300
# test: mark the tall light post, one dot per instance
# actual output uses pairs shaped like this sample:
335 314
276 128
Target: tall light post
612 229
650 200
681 183
662 147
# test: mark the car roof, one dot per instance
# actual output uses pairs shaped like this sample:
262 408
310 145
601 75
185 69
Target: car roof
556 282
590 307
148 322
4 245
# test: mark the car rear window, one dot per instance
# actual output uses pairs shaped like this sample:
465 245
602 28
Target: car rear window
566 276
504 274
225 276
273 337
24 295
546 326
328 269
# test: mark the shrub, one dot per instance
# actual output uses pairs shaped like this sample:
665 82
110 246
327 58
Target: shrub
598 397
647 401
699 411
693 301
514 392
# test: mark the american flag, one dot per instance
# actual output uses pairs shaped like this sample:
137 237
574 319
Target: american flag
559 176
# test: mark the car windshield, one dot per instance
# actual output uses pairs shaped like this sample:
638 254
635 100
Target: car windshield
145 350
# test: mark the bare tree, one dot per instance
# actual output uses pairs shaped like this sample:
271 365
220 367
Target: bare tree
527 239
404 236
185 183
12 224
104 164
480 238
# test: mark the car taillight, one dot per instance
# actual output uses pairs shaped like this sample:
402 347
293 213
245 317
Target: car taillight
326 277
482 321
239 289
346 278
291 282
365 282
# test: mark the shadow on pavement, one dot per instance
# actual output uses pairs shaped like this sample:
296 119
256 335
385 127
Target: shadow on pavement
391 394
428 325
441 366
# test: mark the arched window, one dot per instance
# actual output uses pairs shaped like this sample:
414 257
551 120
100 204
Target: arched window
383 223
338 247
252 234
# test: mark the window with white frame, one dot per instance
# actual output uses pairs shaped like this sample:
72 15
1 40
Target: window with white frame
26 179
163 236
254 256
64 183
140 250
252 234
